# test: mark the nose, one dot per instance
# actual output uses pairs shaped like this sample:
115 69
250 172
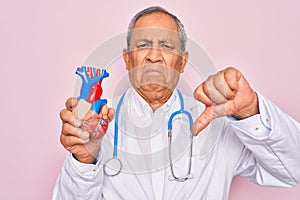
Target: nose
154 55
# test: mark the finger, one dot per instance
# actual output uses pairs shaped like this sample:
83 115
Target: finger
107 112
111 114
232 76
222 86
69 141
203 120
104 115
71 103
214 94
104 110
69 117
69 130
201 96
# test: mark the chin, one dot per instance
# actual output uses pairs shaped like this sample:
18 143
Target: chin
154 87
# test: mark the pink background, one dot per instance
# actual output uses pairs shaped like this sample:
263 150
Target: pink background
42 41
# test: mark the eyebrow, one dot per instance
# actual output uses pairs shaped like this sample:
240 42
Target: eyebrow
151 41
165 41
145 40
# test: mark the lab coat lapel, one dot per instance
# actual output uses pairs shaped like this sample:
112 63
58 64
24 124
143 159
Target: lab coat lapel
206 139
202 145
171 187
138 164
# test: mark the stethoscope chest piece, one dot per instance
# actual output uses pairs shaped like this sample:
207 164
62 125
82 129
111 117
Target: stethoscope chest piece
181 179
112 166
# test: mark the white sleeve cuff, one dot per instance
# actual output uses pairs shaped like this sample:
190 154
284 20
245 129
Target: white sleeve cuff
257 126
84 169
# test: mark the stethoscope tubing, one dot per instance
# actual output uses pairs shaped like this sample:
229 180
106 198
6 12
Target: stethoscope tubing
116 137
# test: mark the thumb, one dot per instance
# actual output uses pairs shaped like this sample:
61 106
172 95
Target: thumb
203 120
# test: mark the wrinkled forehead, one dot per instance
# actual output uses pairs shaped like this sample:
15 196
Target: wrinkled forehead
155 35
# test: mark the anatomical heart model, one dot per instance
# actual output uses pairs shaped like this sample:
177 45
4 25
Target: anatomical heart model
90 102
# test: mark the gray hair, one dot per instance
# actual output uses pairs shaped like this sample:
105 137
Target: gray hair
157 9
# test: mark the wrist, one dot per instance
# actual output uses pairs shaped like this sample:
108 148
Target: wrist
85 159
250 110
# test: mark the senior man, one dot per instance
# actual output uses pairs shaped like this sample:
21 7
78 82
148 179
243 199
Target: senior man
240 131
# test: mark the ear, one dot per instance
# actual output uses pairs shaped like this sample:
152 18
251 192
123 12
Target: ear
184 59
126 58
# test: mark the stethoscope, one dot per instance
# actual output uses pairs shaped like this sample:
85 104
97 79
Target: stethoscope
113 166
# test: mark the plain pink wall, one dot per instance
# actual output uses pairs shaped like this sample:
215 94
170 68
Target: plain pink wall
42 41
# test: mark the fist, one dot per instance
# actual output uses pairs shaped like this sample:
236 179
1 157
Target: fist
83 137
226 93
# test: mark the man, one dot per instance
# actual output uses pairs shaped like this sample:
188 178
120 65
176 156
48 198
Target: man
241 132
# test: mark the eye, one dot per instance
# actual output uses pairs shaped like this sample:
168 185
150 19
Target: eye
168 46
142 45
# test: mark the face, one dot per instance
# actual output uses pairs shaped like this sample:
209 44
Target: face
155 60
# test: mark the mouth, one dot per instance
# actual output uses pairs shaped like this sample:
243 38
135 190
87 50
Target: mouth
153 72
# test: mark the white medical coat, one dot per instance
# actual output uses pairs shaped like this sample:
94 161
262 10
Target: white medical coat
263 149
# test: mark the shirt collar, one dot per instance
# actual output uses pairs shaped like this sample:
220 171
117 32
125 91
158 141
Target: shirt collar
146 107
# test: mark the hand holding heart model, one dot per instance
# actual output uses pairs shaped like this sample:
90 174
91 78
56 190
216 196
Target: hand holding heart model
90 104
